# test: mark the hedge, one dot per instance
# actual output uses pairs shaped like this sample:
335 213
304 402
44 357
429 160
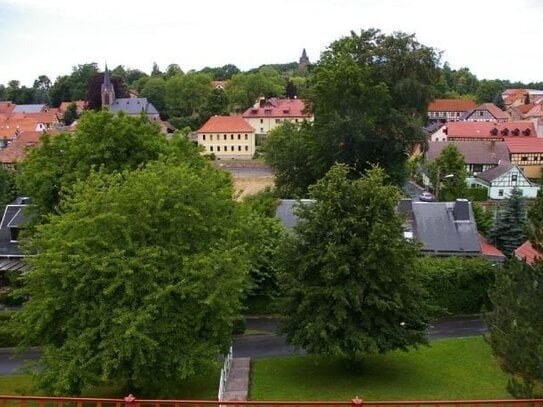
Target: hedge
458 285
477 194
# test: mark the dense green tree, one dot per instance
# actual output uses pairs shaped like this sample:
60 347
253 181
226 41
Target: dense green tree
172 70
535 226
79 80
119 71
61 91
397 74
101 140
448 174
216 104
509 230
155 71
291 90
155 91
20 95
244 89
351 282
287 150
70 114
42 85
222 73
155 276
187 94
132 75
3 93
7 186
516 325
487 91
264 235
484 219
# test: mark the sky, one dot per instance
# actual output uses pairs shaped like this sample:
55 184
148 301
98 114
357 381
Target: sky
493 38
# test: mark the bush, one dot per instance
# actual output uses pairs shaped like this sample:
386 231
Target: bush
7 337
458 285
477 194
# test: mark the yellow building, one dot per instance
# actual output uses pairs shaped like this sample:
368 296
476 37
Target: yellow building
227 137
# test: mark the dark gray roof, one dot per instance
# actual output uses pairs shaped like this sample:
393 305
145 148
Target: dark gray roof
13 217
13 265
435 226
474 152
286 211
493 173
133 106
28 108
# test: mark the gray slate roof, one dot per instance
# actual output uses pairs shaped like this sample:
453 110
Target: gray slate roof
446 228
493 173
13 217
28 108
474 152
133 106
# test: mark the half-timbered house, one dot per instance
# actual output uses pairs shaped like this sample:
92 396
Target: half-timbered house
502 179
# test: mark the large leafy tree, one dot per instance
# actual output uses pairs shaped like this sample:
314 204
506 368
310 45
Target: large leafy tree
448 174
351 279
137 280
101 140
509 230
288 150
516 325
155 90
487 91
369 96
244 89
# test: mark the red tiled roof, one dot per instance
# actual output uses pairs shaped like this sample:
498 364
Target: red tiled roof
525 108
226 124
278 108
482 130
527 252
16 151
6 107
522 144
490 250
536 111
80 105
451 105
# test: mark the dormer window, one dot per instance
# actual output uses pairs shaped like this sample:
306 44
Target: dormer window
515 132
526 132
505 132
494 131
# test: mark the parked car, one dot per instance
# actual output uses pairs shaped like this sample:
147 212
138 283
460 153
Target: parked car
426 197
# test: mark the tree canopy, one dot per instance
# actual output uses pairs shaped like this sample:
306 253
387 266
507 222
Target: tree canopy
351 284
448 174
101 140
137 280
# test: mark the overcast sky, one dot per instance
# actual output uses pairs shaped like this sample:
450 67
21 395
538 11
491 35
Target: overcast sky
494 38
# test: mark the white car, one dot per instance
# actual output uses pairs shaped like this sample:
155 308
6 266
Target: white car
426 197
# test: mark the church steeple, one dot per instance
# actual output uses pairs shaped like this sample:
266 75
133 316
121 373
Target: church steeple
108 92
304 59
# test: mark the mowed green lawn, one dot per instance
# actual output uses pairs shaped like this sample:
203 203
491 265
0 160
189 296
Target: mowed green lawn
448 369
201 387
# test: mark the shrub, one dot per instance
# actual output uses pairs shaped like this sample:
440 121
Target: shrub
477 194
458 285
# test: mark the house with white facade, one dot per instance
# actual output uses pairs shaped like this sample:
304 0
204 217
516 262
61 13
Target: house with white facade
501 180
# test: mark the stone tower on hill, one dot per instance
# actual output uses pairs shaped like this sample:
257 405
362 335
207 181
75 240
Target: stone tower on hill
304 60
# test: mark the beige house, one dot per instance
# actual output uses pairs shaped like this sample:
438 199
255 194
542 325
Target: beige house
227 137
266 114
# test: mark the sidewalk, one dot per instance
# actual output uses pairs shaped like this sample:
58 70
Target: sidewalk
237 387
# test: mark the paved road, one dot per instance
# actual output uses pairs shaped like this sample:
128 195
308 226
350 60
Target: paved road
269 344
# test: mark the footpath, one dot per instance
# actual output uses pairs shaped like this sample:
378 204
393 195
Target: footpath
237 387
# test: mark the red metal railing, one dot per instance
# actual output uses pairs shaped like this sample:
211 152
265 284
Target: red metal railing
130 401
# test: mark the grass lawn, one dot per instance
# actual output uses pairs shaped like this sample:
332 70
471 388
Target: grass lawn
202 387
448 369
